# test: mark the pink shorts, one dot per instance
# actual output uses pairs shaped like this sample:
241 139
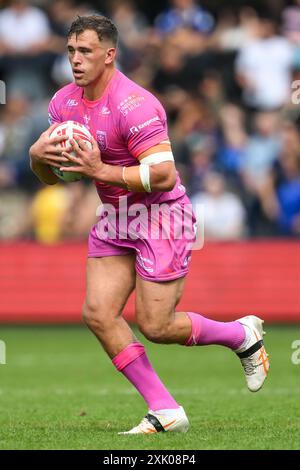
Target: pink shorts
161 237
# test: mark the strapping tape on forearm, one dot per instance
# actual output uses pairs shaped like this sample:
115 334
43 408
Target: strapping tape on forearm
158 157
136 180
145 177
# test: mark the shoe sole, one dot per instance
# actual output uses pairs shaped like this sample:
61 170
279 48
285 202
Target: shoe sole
179 427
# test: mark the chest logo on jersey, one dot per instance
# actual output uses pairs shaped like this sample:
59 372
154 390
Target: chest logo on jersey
102 139
130 103
72 103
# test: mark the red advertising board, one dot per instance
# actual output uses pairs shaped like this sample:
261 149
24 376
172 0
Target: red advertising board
46 284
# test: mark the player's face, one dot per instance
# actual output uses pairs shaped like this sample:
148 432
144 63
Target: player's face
89 57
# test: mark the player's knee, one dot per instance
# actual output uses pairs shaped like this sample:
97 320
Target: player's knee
92 315
154 332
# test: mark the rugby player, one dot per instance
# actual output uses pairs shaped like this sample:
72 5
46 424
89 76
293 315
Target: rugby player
131 160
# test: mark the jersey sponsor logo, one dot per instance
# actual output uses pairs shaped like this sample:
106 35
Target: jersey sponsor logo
130 103
104 111
102 139
136 129
72 103
147 123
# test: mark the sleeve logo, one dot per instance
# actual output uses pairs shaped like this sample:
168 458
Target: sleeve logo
136 129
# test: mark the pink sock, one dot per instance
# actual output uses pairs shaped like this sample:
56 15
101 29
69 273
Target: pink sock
204 331
134 364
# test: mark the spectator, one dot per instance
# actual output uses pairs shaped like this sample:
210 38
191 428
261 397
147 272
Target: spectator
53 209
171 71
14 129
24 41
280 195
23 29
236 29
224 214
185 14
212 90
133 32
14 210
49 208
291 22
232 143
193 117
202 152
261 151
264 68
131 23
291 29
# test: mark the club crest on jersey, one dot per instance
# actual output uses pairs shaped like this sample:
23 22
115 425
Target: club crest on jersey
101 139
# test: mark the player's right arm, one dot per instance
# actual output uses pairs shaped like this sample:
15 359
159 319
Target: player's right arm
44 152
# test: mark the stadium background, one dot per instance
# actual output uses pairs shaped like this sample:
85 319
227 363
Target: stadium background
236 144
225 78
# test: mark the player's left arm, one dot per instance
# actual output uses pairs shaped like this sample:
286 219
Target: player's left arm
156 171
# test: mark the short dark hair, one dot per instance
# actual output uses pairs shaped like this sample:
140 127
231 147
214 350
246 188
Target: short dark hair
103 26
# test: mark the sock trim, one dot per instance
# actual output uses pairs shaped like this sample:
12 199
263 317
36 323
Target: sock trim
128 355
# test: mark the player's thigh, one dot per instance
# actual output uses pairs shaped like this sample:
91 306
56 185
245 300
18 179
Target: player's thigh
156 301
109 282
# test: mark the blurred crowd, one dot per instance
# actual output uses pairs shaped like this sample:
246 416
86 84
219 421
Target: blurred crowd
228 77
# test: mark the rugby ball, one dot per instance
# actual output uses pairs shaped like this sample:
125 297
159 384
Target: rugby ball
70 129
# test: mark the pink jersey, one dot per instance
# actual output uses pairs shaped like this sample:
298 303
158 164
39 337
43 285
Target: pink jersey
125 121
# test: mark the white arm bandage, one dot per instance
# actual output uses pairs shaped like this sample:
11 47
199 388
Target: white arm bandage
145 177
152 159
158 157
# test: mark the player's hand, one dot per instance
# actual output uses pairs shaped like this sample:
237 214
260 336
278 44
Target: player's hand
47 150
87 161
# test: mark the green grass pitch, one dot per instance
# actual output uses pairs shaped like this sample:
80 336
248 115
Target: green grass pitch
58 390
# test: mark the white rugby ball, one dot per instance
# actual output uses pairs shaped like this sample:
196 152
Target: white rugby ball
70 129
